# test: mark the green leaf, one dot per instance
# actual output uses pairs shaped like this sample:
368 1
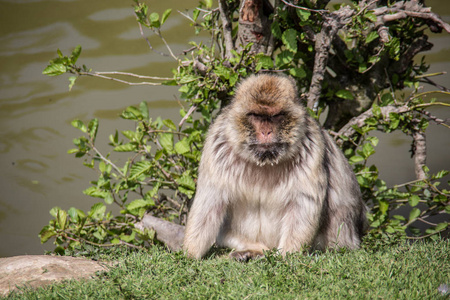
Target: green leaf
132 113
414 200
284 58
169 123
188 78
54 211
265 62
94 191
384 206
223 72
276 30
374 140
109 199
441 174
289 39
62 219
137 204
93 128
298 72
72 80
166 141
368 150
208 3
386 99
97 210
152 193
355 159
55 70
441 226
186 181
371 36
128 238
129 134
126 147
371 16
79 125
165 15
182 147
143 107
154 20
139 168
415 212
344 94
303 14
376 111
46 233
75 54
394 120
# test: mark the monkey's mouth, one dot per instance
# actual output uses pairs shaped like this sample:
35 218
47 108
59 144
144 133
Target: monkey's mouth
267 153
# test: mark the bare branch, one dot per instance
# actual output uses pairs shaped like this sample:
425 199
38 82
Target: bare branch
359 121
304 8
420 154
227 28
133 75
332 23
97 74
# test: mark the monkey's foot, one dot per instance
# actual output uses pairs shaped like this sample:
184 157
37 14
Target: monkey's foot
246 255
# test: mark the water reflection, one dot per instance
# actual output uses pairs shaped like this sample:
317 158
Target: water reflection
36 111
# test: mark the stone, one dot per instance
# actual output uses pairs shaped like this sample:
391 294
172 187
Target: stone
40 270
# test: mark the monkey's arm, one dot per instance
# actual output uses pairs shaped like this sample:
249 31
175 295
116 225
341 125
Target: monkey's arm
205 219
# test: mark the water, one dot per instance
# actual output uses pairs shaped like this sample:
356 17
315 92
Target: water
36 111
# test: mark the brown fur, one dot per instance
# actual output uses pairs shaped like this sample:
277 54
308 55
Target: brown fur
270 177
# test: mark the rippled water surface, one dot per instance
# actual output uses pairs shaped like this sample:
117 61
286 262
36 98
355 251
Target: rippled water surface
36 111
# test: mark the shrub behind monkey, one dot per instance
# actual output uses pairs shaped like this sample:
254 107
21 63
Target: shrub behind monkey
271 177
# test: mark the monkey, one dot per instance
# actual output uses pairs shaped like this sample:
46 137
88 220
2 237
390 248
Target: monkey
271 178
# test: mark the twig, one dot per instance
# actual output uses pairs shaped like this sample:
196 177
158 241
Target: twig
304 8
148 42
187 17
107 161
96 74
359 121
191 110
424 236
157 32
133 75
426 222
436 119
227 28
429 81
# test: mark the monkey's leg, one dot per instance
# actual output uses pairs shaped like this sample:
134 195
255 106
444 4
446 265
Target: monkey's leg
300 223
343 231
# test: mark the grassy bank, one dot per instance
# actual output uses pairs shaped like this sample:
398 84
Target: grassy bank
396 272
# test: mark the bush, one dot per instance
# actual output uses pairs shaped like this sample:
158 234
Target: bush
349 60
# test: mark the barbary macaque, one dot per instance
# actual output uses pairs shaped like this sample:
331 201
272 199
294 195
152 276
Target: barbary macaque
271 177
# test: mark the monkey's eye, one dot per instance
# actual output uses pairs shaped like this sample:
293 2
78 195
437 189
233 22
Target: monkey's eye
255 116
278 117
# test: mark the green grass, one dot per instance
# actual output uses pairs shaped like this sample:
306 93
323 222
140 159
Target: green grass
403 271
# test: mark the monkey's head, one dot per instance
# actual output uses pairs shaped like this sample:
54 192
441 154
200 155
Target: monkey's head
266 119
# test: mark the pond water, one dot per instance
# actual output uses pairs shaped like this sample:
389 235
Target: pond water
36 111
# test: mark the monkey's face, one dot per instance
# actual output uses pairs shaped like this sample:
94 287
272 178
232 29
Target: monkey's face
266 119
269 136
264 139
